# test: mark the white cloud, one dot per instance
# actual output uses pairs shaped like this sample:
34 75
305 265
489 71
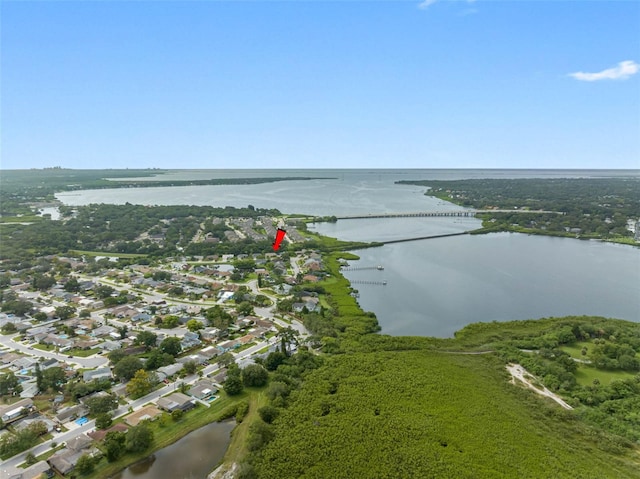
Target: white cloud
621 72
426 4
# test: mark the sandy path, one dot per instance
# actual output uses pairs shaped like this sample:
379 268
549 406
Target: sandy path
518 372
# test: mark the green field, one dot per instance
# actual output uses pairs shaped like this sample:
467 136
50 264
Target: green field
585 375
575 349
82 353
427 414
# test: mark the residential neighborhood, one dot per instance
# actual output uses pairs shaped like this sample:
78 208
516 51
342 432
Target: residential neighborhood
92 333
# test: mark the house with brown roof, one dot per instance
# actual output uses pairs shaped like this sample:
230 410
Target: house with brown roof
99 434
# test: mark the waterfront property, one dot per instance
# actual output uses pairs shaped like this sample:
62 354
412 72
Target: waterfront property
146 413
176 401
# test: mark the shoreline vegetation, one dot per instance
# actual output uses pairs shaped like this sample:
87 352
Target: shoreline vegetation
592 208
354 403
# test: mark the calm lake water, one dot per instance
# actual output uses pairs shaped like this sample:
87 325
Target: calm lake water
192 457
434 286
349 192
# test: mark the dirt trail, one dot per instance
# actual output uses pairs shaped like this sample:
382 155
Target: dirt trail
520 373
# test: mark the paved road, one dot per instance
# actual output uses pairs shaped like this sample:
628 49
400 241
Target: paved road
89 362
294 266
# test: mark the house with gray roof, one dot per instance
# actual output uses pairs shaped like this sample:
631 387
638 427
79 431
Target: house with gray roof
176 401
203 389
36 471
196 358
102 331
71 412
98 373
65 460
170 369
190 340
23 363
110 345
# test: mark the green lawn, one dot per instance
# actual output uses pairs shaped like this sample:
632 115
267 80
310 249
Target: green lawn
238 447
586 374
574 350
82 353
44 347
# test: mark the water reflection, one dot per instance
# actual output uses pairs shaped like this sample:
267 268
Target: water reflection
192 457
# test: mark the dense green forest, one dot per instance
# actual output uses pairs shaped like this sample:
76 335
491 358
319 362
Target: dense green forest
117 229
597 207
427 407
425 414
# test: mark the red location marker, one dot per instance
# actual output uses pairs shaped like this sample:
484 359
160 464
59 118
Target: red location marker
279 237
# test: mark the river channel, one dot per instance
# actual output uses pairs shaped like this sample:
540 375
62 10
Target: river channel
435 287
192 457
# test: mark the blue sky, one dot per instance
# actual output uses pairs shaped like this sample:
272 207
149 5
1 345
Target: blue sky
383 84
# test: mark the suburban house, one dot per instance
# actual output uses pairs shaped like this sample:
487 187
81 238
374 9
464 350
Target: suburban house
176 401
210 352
98 394
56 340
209 334
146 413
102 331
36 471
196 358
169 370
49 363
15 410
141 317
29 389
23 363
65 460
71 412
100 434
109 345
203 389
26 422
99 373
228 345
190 340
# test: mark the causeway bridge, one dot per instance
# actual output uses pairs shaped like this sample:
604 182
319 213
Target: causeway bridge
455 213
362 268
